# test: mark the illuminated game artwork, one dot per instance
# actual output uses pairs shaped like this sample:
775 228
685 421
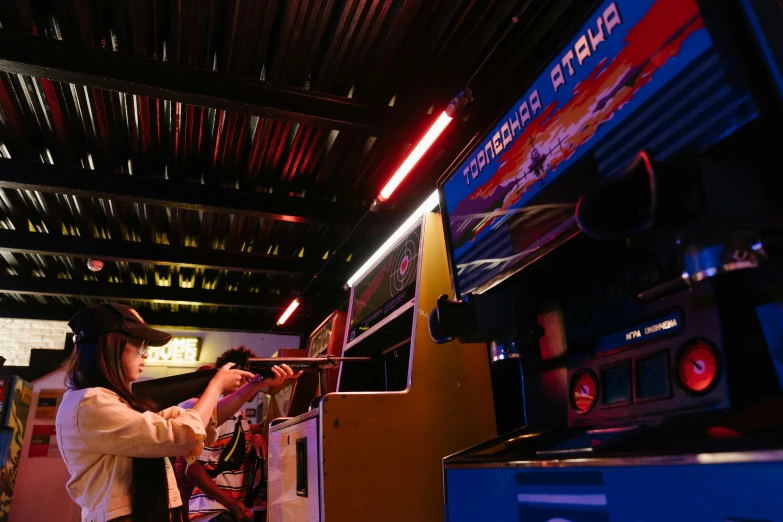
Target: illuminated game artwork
387 287
177 350
320 341
617 63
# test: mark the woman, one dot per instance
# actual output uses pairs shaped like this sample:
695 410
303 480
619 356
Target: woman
114 446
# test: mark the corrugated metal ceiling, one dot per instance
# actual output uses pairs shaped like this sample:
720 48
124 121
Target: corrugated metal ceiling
400 59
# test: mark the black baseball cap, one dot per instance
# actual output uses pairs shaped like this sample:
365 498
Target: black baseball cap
104 318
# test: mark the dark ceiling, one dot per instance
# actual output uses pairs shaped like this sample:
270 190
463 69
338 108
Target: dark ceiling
215 154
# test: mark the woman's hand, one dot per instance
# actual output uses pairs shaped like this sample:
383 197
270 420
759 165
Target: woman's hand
229 380
282 374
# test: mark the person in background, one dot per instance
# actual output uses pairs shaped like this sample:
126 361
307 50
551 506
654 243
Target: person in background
184 485
259 491
114 444
224 472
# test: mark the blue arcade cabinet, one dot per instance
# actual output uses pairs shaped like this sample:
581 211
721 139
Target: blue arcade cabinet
615 240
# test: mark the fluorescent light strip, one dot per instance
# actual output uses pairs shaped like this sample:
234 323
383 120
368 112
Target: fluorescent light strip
427 206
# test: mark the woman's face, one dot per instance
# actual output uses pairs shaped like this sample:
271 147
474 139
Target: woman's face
133 360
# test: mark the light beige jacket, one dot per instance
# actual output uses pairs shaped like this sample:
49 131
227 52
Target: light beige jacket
98 433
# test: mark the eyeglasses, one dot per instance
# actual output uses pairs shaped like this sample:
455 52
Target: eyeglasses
142 345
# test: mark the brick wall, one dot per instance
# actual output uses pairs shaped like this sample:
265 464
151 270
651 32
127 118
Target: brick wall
19 336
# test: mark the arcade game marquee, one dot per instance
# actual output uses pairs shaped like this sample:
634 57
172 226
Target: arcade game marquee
372 450
615 242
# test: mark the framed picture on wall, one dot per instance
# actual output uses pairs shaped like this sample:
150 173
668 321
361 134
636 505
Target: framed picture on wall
48 402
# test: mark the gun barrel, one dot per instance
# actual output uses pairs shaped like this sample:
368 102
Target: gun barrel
263 365
260 361
170 391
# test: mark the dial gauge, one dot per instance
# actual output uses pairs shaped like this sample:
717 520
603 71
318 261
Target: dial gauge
584 391
697 367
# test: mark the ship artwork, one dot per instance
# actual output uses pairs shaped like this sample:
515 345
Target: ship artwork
538 161
621 58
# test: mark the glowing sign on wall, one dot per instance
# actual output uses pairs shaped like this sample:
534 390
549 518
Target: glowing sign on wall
178 350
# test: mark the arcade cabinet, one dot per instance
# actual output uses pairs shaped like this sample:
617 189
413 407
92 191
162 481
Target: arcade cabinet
15 398
615 242
327 339
372 450
279 402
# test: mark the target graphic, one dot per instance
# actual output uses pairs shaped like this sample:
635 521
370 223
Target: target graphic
405 263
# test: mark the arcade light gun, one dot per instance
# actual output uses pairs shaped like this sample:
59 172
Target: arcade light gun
170 391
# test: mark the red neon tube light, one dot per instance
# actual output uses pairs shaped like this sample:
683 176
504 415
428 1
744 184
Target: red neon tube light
413 158
437 128
290 310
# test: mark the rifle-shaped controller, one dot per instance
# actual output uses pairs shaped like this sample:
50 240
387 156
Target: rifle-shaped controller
263 366
170 391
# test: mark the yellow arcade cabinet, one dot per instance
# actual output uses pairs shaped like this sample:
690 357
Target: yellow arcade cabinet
372 450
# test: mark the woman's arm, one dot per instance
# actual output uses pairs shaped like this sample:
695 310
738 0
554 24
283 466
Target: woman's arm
230 404
108 425
224 378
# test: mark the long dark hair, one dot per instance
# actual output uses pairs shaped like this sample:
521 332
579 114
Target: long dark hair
96 364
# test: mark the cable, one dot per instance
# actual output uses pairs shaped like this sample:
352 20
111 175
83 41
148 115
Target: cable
334 252
514 20
328 260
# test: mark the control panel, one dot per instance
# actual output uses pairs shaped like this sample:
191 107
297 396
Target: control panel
630 358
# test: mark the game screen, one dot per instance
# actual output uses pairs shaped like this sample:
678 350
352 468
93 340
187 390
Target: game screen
390 285
616 385
652 377
620 58
319 342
